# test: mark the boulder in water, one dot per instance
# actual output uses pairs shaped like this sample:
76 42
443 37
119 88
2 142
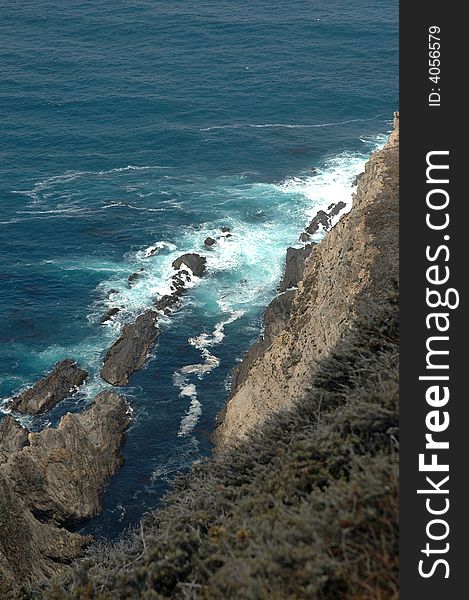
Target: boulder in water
109 314
195 262
130 351
209 242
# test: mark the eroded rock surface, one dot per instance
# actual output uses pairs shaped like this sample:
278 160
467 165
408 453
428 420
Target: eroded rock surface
195 262
275 318
13 437
294 266
61 382
130 351
52 480
353 267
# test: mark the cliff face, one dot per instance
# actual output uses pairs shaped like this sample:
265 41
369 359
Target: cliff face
352 267
52 479
321 476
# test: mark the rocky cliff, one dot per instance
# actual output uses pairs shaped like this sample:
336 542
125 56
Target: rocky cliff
320 476
354 265
50 480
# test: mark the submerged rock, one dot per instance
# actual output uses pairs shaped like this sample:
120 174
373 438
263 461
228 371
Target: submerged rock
55 481
130 351
60 383
135 276
294 266
225 229
195 262
109 314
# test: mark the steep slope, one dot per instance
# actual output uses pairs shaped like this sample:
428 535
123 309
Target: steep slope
305 504
51 480
304 507
351 268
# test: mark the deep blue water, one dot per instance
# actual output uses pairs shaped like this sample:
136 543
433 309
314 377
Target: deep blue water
127 123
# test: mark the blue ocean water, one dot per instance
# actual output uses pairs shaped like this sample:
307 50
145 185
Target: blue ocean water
139 123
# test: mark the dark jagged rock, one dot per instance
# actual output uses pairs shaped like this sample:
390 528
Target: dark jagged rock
171 302
54 482
294 266
209 242
109 314
357 179
130 351
178 282
335 209
135 276
225 229
304 237
13 437
152 250
325 218
167 303
195 262
275 319
321 218
60 383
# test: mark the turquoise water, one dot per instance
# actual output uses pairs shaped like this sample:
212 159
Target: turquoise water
131 124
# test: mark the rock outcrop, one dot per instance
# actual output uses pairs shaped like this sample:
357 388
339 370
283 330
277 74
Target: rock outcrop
294 266
324 218
61 382
130 351
195 262
354 265
53 479
209 241
168 303
275 319
13 437
109 314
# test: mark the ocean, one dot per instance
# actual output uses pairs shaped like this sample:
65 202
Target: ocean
131 131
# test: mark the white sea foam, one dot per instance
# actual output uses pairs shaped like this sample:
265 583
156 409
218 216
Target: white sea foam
154 249
242 269
181 377
288 125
